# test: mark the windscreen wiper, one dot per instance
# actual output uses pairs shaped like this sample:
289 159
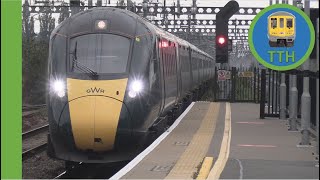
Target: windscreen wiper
82 67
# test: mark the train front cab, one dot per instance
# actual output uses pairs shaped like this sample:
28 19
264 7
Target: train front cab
281 29
100 104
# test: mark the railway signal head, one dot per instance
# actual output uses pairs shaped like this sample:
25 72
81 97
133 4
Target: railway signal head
222 19
221 41
221 49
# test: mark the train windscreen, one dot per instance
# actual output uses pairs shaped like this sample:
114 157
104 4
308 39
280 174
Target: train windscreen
273 22
101 53
281 23
289 23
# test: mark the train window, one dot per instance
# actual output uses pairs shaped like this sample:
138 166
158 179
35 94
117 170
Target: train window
273 22
100 53
281 22
289 23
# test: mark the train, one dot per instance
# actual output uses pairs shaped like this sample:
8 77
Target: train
114 77
281 29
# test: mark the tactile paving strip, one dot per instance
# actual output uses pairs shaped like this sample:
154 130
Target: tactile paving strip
187 164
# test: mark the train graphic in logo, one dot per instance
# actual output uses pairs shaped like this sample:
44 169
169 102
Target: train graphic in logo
281 29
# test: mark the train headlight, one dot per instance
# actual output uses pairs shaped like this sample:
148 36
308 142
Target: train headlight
132 94
101 25
136 87
58 88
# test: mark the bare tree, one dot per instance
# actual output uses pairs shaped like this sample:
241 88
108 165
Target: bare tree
65 12
47 23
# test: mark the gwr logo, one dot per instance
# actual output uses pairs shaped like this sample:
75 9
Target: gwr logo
95 90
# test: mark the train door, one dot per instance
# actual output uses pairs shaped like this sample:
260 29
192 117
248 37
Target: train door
281 26
178 69
162 73
191 68
155 78
188 59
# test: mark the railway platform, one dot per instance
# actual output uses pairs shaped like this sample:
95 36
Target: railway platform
212 140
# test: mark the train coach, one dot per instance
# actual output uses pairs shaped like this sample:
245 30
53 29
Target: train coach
113 77
281 29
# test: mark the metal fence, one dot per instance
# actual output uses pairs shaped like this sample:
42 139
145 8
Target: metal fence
270 84
270 96
237 84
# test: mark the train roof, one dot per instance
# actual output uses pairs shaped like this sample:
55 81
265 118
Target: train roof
116 18
281 13
171 37
180 41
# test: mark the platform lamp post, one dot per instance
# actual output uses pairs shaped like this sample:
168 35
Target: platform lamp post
89 4
306 98
165 16
283 93
145 8
192 15
178 9
99 3
293 93
193 9
74 6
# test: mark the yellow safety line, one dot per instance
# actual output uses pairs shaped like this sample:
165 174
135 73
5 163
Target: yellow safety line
225 147
187 164
205 168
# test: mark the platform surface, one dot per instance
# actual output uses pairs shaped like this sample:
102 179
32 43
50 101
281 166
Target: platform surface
241 146
265 149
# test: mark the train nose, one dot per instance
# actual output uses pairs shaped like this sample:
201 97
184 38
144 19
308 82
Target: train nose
94 122
95 108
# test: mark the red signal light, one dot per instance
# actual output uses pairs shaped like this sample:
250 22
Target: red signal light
221 40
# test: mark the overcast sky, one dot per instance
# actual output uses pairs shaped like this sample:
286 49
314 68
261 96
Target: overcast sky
203 3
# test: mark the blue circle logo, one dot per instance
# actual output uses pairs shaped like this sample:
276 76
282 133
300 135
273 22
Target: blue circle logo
281 37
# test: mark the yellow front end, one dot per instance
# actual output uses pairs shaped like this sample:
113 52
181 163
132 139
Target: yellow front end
95 107
280 27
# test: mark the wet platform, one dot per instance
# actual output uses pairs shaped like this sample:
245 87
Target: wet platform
213 140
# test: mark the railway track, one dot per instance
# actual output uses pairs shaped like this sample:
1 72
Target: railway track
33 151
28 107
40 147
28 110
35 131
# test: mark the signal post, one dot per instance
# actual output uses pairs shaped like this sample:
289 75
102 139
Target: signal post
222 39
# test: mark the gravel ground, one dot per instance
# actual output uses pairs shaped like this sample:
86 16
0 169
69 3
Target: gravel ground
34 141
41 167
35 120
